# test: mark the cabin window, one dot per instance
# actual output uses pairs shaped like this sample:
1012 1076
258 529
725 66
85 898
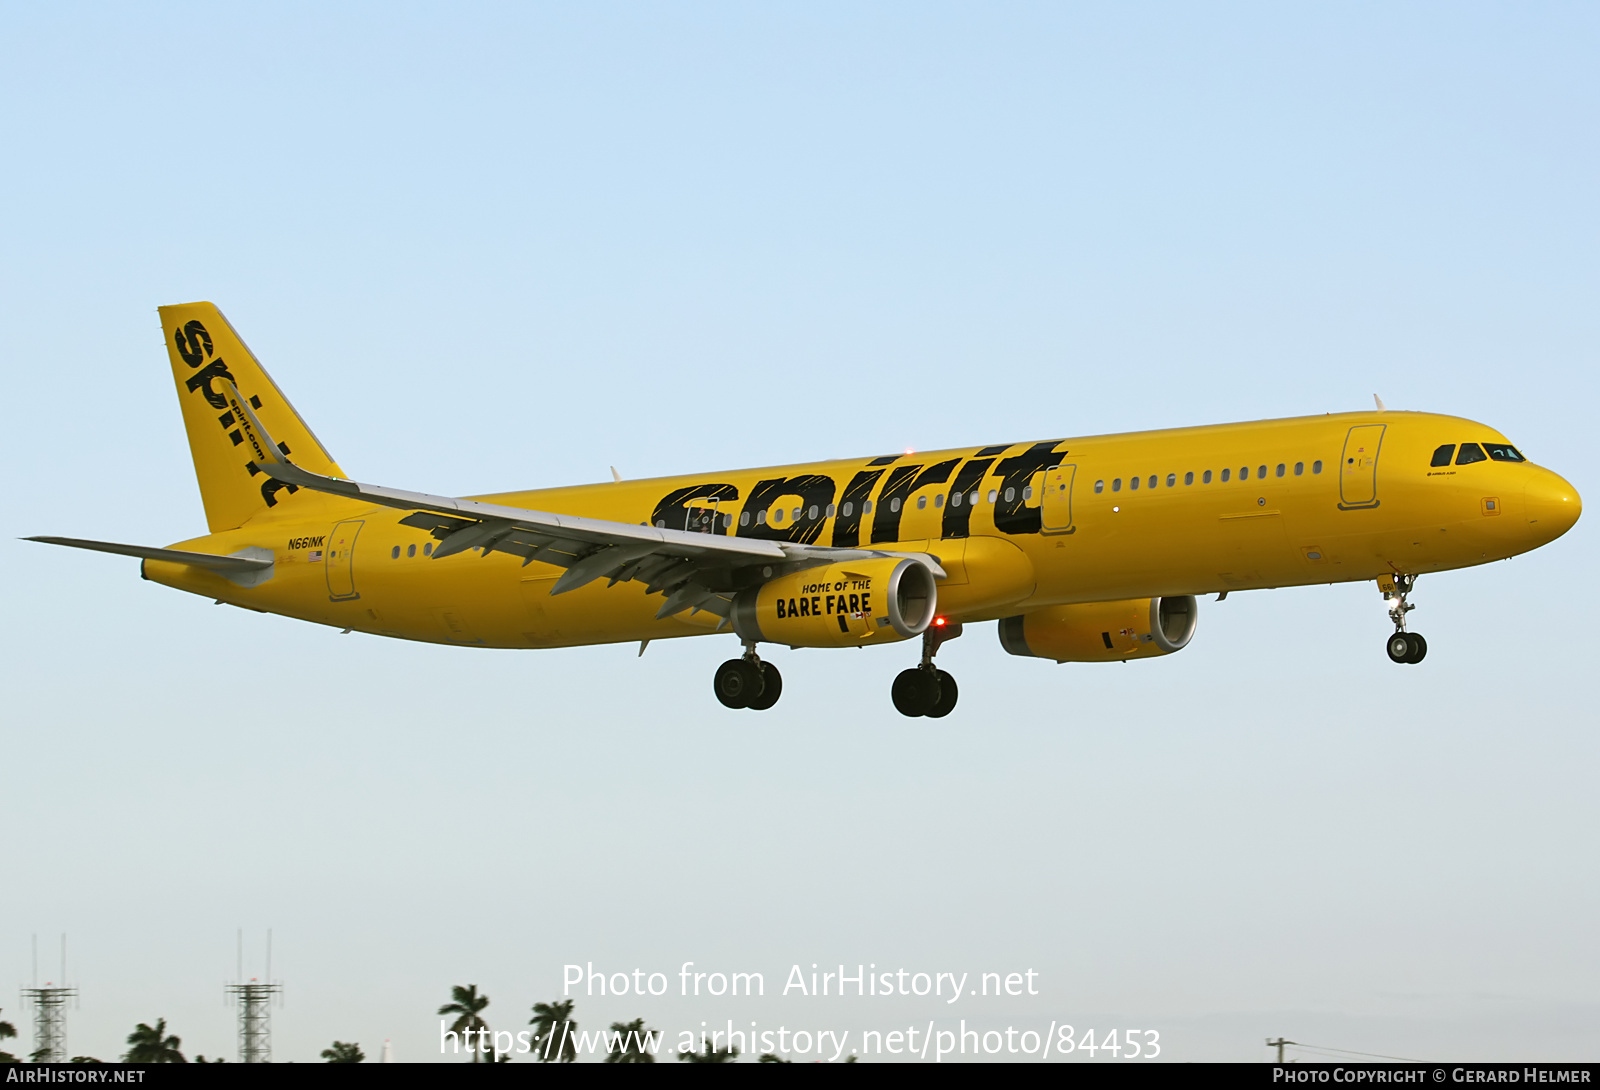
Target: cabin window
1011 494
973 499
1225 473
1133 482
394 553
830 510
661 524
1470 452
1261 473
1244 472
1027 493
955 499
1205 478
427 549
812 514
1299 468
744 518
894 504
796 515
411 550
866 507
938 501
1316 467
922 501
1281 468
1099 487
992 495
849 509
1172 479
1116 485
761 518
1442 456
1504 452
1188 478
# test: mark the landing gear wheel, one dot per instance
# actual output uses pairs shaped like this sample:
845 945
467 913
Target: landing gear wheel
947 697
1399 647
771 688
915 691
1419 648
738 683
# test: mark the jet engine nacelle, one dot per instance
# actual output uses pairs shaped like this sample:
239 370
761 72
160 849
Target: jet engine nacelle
1137 628
847 604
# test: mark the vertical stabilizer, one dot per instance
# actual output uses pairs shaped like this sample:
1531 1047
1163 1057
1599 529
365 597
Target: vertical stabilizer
203 348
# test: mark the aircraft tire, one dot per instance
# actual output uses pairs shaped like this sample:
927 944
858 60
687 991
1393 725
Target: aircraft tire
771 688
948 693
1399 647
915 691
1419 647
738 683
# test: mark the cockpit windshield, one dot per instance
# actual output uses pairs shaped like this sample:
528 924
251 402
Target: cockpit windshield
1504 452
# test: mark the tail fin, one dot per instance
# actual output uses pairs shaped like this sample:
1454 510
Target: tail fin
203 348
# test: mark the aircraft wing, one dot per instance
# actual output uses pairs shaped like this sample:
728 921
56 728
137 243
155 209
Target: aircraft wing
695 571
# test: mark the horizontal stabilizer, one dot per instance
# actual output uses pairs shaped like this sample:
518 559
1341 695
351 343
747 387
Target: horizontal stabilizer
226 565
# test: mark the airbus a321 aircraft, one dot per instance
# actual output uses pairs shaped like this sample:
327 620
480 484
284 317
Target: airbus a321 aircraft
1084 550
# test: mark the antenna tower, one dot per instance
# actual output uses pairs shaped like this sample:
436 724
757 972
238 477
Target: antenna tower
49 1010
254 997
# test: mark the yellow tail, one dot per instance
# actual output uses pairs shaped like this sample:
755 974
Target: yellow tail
204 348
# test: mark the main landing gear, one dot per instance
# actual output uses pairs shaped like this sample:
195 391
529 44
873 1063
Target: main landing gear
748 682
925 690
1404 647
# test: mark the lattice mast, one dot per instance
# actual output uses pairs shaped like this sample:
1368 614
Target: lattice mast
49 1002
254 1000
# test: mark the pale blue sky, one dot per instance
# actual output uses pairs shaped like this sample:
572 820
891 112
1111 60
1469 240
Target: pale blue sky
485 247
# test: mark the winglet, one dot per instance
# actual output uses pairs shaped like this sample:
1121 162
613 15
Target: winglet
1382 408
267 453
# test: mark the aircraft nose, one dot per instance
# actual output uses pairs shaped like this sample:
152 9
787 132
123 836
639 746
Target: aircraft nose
1552 504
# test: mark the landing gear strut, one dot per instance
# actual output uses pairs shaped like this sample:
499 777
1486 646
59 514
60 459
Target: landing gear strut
748 682
1403 647
925 690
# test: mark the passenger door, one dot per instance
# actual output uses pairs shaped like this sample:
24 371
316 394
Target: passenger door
340 563
1055 506
1358 468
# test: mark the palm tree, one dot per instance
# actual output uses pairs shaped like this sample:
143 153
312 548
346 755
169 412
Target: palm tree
151 1045
554 1032
466 1006
627 1047
7 1030
720 1056
343 1053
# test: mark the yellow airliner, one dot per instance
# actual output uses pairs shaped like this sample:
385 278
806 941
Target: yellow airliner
1084 550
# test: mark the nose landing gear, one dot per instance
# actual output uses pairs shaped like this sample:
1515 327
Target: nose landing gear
925 690
1403 647
748 682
